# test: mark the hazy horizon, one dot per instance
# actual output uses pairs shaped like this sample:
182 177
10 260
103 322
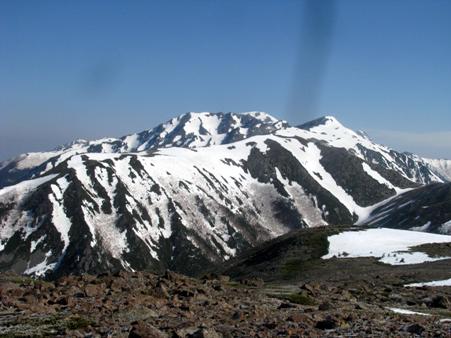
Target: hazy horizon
397 140
92 69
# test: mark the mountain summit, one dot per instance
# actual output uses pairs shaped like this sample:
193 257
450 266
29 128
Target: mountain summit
189 130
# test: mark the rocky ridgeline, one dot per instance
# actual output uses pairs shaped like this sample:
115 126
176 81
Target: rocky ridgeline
172 305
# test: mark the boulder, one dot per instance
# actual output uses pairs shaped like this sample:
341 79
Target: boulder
439 302
141 329
326 324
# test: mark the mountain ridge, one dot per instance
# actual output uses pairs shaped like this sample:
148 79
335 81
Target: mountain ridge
187 130
198 203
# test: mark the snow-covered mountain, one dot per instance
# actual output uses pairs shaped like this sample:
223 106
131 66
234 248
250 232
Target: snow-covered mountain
188 130
198 189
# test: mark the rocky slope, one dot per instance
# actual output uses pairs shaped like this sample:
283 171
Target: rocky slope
145 305
307 297
192 192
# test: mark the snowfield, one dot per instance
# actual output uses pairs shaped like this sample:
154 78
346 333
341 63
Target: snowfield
391 246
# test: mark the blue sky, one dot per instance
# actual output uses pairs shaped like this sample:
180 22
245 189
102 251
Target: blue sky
88 69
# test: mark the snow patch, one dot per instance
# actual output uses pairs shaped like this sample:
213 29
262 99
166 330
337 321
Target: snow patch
444 282
391 246
34 244
406 312
375 175
59 218
422 228
42 268
445 228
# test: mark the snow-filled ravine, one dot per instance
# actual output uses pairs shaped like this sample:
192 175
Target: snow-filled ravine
391 246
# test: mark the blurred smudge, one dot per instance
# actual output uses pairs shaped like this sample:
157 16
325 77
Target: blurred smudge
316 32
100 77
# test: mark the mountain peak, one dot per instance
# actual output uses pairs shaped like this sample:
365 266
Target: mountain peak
75 143
262 116
259 115
327 120
330 118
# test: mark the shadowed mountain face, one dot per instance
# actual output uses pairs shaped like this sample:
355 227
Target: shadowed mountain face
192 192
427 209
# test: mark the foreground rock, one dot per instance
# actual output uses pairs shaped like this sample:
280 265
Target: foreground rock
172 305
